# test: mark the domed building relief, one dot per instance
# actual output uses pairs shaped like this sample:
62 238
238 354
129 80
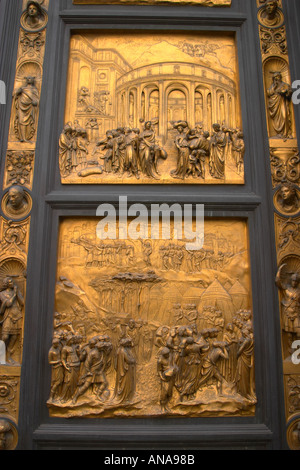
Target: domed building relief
136 106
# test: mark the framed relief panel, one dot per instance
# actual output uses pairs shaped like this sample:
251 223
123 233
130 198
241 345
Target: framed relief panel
148 327
152 108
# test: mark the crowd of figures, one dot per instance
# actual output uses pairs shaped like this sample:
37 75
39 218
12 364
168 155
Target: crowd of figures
186 360
137 152
132 151
172 256
125 150
198 150
179 258
103 254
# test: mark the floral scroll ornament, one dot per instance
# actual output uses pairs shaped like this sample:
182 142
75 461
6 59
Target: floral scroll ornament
19 168
282 169
273 39
31 43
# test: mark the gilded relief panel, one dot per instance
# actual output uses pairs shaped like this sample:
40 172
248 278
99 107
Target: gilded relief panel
152 108
148 327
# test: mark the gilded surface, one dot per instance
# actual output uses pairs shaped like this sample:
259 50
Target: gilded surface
149 328
16 205
284 165
152 108
205 3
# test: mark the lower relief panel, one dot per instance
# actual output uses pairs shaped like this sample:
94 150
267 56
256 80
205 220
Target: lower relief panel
149 328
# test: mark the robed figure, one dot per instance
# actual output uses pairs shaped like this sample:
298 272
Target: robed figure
11 317
65 150
125 366
244 378
217 156
279 97
149 151
183 150
26 101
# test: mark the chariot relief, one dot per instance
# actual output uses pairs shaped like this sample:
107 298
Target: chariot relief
147 327
152 109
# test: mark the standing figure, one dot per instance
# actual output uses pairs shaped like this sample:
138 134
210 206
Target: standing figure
229 366
94 376
181 144
131 161
11 303
125 366
189 370
209 367
65 150
290 304
71 363
57 376
121 148
279 97
244 379
82 148
26 101
238 149
199 146
217 156
167 374
149 151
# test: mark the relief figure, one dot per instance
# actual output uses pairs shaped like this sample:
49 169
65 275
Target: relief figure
26 101
290 304
217 157
125 371
11 304
279 99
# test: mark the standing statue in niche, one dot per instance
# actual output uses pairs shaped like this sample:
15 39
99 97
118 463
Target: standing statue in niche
290 304
279 98
26 101
11 303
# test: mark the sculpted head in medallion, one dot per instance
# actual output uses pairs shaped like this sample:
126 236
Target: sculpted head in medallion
34 15
16 202
271 8
270 15
4 430
288 197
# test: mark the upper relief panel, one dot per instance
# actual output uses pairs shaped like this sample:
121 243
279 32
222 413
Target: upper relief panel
152 108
